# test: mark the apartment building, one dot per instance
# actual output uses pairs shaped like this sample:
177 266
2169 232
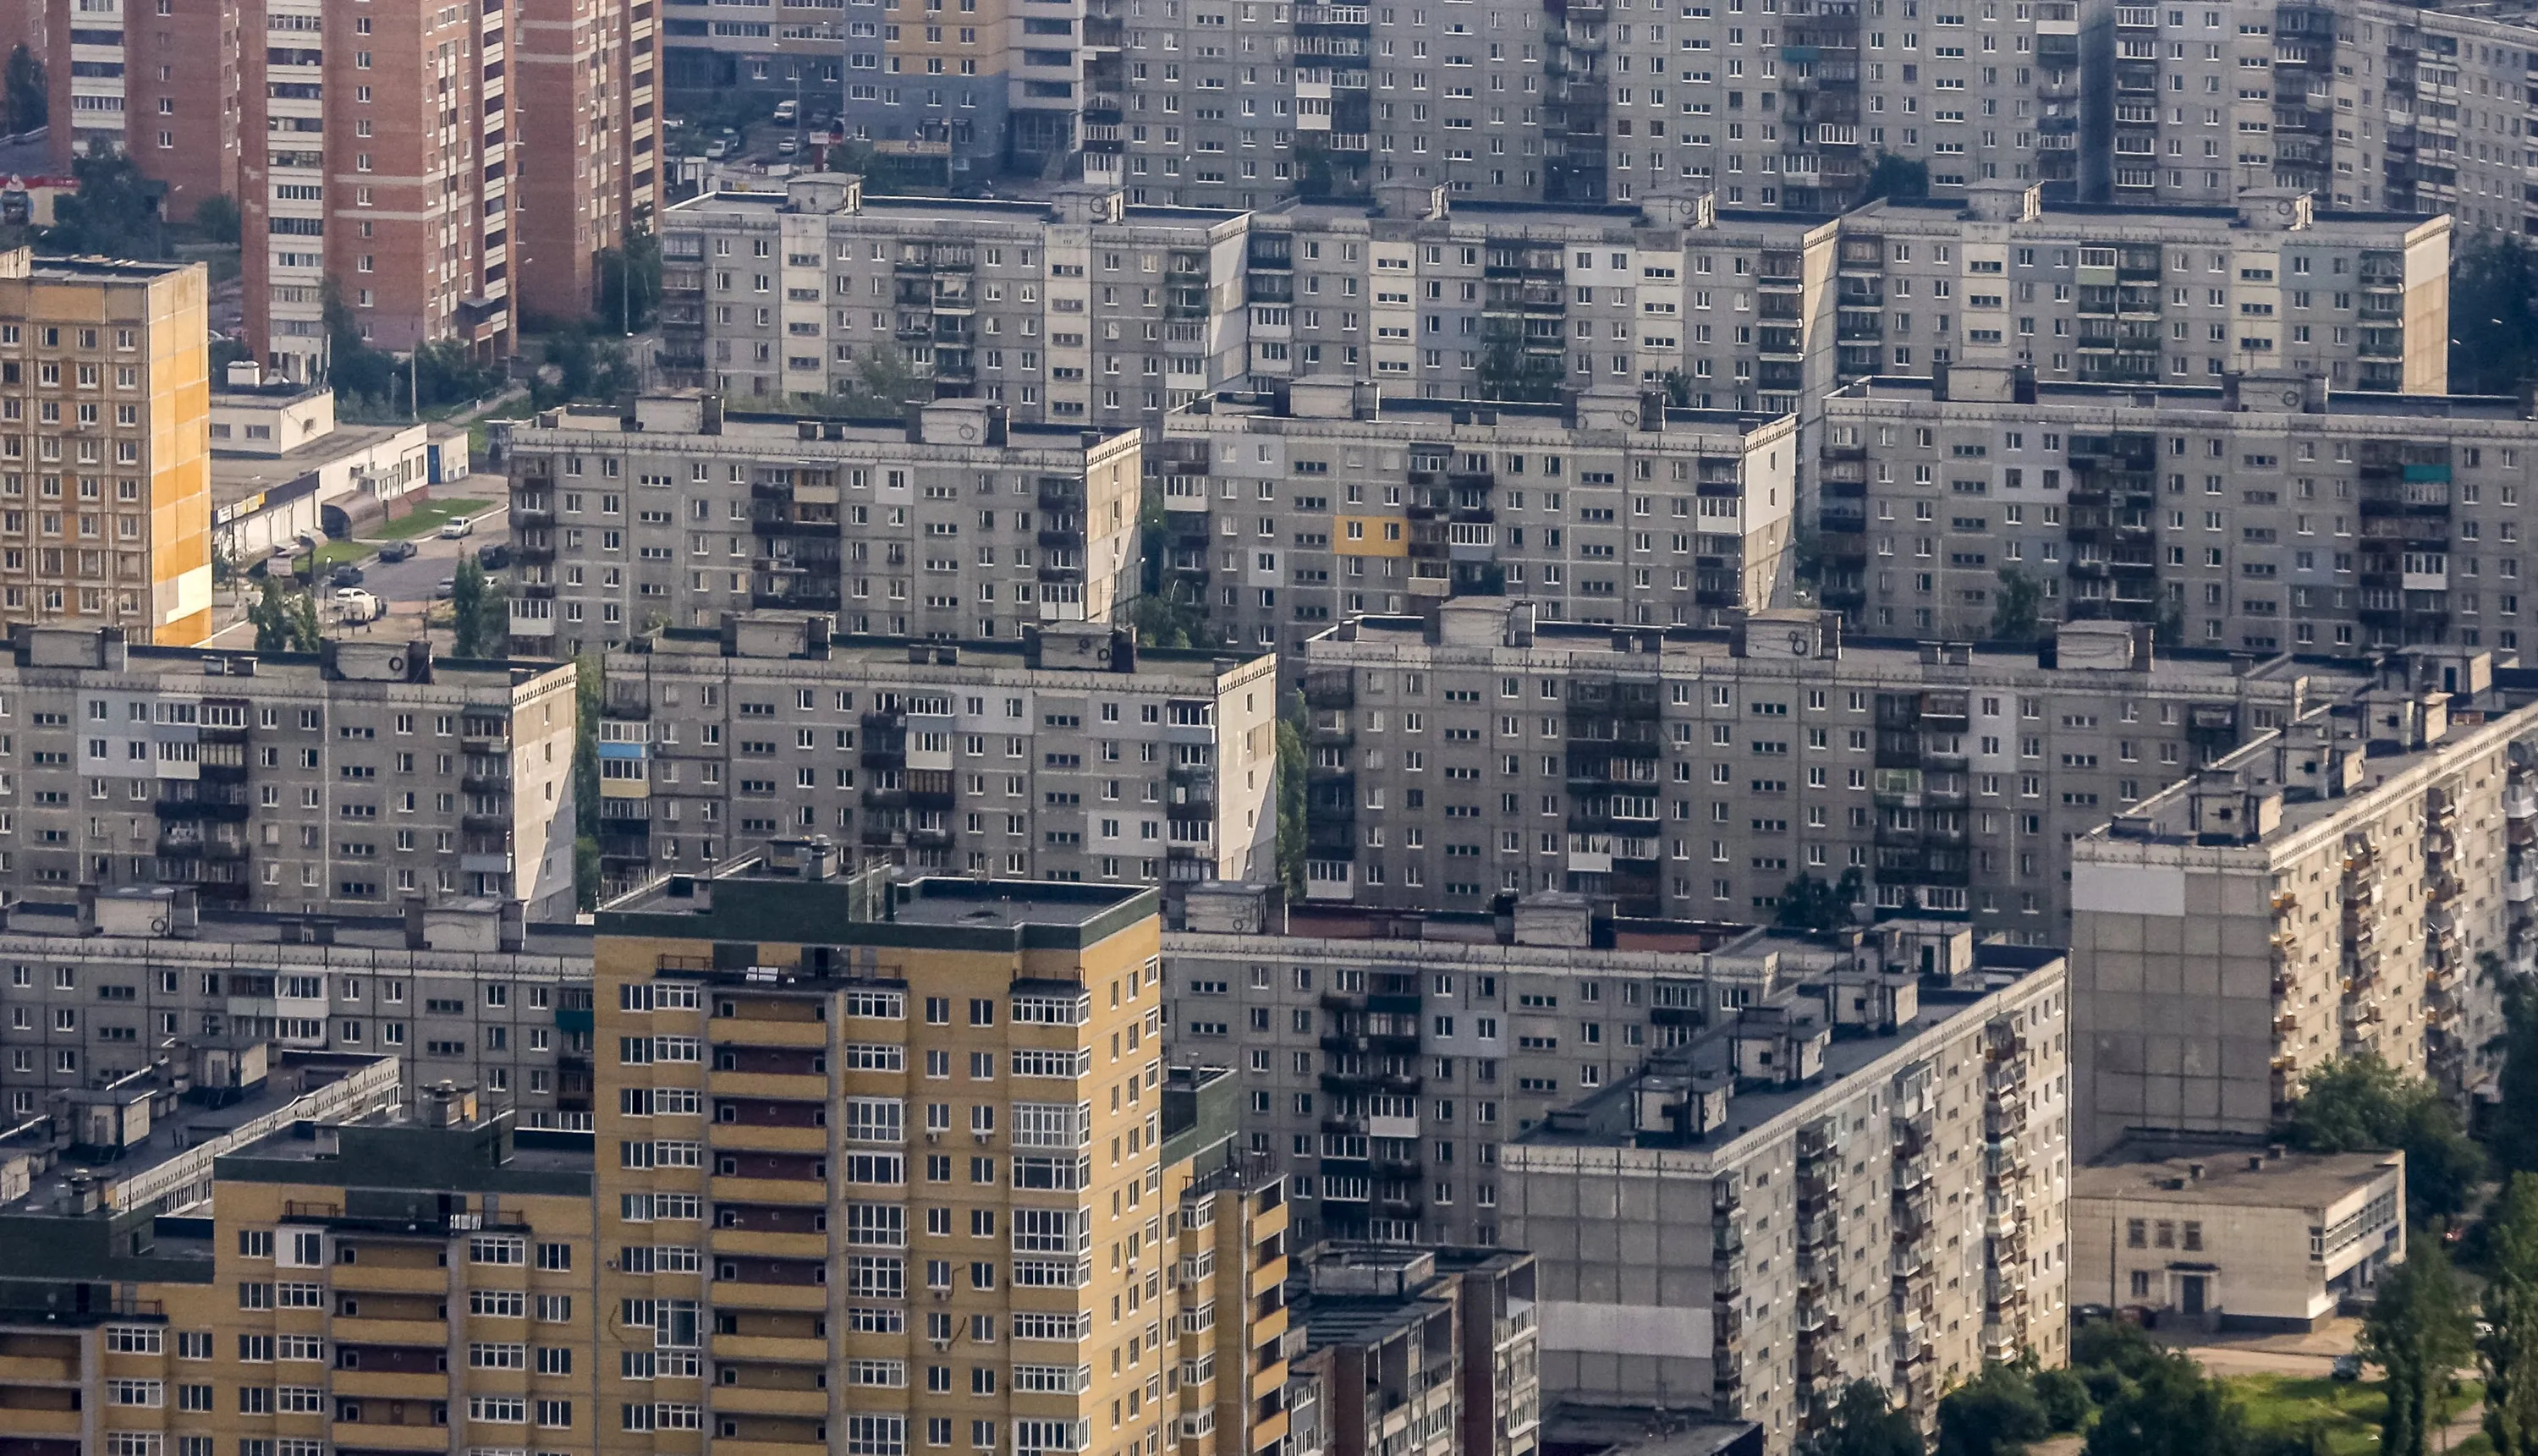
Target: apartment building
1513 300
1356 1032
1080 310
2266 515
2131 295
954 523
1226 1245
335 1271
111 526
993 759
463 991
2363 103
1690 774
160 87
587 86
377 156
823 997
1288 510
2332 889
1425 1351
1851 1170
340 783
1795 112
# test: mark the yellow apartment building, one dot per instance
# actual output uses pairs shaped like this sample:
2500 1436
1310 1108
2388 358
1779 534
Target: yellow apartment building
106 488
883 1173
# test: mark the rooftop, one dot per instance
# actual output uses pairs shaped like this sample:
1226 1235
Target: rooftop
1022 213
237 475
1575 1428
799 891
2229 1173
689 414
93 269
1073 650
1485 627
1336 398
2242 398
249 936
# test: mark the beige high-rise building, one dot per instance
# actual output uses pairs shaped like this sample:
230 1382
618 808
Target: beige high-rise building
105 490
2334 887
1068 754
345 782
957 524
1851 1167
928 1123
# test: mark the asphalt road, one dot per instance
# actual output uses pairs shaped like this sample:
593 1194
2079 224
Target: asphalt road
406 585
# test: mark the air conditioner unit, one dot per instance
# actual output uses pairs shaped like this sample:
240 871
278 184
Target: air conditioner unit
934 1134
942 1294
983 1136
942 1344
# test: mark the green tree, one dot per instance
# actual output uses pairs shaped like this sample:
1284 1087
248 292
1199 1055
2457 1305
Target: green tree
217 218
1995 1413
1160 622
2507 1350
2065 1398
2494 316
886 383
2350 1104
2017 608
2169 1410
1291 801
285 621
28 97
1510 374
1807 902
2511 1126
584 363
2109 1355
114 212
1897 177
1862 1422
468 594
2420 1333
629 277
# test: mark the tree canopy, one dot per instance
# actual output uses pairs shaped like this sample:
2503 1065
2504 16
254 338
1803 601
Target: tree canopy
2350 1104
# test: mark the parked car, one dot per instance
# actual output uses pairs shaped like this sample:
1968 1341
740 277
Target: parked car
397 551
493 557
356 606
2346 1368
456 527
717 149
345 575
786 146
444 588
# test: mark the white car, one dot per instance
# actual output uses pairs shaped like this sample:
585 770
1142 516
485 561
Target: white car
356 604
455 527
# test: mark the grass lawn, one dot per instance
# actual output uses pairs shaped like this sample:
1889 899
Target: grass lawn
426 518
2349 1410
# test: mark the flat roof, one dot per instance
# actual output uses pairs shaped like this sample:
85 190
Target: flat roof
1916 389
531 1153
2228 1174
1583 1426
1019 212
771 429
237 473
1265 405
1712 1053
1199 666
768 898
242 928
2170 667
93 268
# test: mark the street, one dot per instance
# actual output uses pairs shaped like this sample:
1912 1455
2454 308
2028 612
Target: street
408 587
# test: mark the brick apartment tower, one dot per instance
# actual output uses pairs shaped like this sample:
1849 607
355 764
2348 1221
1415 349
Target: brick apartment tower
585 85
384 168
160 83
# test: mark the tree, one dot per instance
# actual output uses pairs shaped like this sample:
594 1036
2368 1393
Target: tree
629 277
2494 316
2419 1332
2507 1350
585 362
885 384
285 621
2350 1104
114 212
27 96
1511 376
1995 1413
217 218
1291 801
478 614
2017 608
1807 902
2065 1398
2169 1410
1160 622
1862 1424
2511 1127
1897 177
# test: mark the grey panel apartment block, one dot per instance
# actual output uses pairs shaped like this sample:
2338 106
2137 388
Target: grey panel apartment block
2337 887
1082 310
1069 754
954 524
1856 1173
466 991
340 781
1285 512
1692 773
2267 516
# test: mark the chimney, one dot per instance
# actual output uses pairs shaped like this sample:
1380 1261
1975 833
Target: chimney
415 938
820 859
2194 1172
